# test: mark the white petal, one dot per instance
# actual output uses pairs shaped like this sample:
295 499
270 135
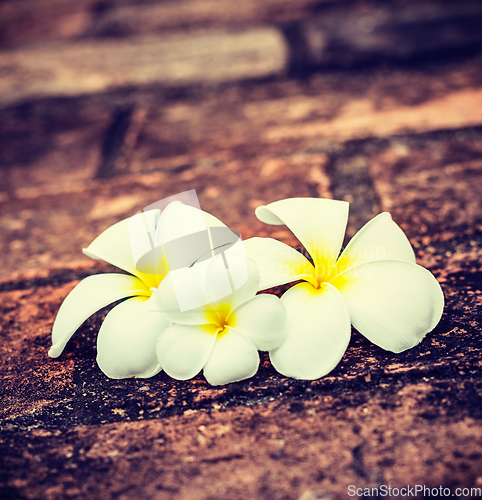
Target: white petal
114 246
148 258
183 235
178 220
239 265
317 332
234 358
241 270
278 263
126 345
226 269
211 281
379 239
261 319
189 235
393 303
318 223
188 296
212 221
218 284
182 297
90 295
183 350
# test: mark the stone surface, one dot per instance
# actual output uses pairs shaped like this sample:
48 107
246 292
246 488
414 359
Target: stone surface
37 231
30 21
253 122
92 67
380 33
378 418
423 181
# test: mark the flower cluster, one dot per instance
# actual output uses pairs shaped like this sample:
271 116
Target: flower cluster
190 293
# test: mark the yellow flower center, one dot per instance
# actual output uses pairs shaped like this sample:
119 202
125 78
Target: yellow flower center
316 277
151 281
217 319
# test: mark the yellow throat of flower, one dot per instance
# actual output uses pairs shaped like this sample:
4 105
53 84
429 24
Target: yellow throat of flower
217 319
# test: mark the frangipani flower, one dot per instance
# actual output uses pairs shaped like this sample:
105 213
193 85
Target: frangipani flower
221 337
126 343
374 284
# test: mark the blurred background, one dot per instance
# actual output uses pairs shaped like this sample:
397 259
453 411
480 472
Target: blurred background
107 106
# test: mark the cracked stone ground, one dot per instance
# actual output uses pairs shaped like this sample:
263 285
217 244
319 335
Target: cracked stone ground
385 112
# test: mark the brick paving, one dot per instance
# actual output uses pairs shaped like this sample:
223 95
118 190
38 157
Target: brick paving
387 129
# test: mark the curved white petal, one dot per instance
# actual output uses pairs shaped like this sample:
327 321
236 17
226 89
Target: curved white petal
379 239
317 222
114 246
178 220
212 221
182 350
90 295
234 358
278 263
126 344
261 319
147 257
393 303
317 332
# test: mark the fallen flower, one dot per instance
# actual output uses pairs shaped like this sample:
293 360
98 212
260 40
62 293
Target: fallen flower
126 343
221 337
374 284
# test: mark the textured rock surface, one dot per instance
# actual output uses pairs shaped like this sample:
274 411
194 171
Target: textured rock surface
402 137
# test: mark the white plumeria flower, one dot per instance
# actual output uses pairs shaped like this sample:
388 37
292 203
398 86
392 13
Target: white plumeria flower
221 337
126 343
374 285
